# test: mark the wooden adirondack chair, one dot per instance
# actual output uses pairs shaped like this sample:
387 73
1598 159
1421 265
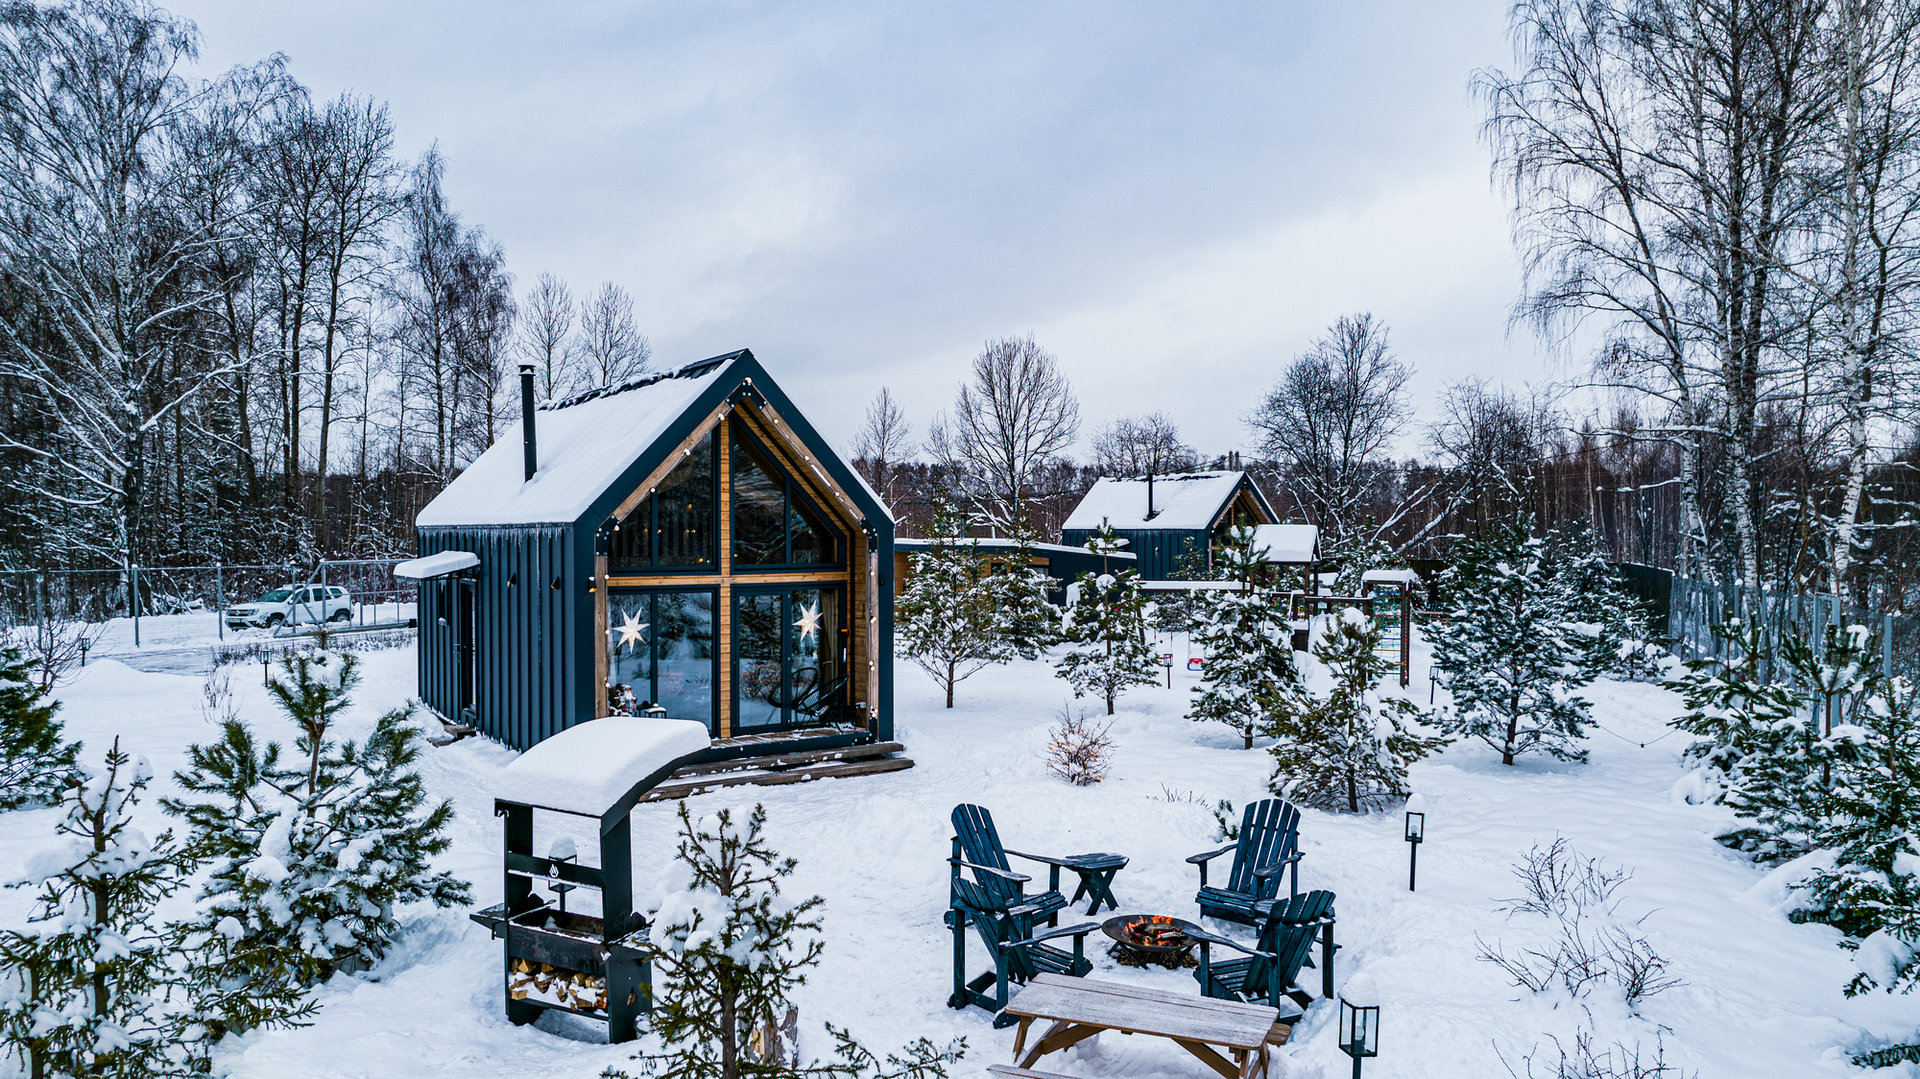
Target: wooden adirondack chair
987 895
1269 845
1271 970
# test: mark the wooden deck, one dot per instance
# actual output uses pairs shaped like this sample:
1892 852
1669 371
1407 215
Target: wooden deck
778 758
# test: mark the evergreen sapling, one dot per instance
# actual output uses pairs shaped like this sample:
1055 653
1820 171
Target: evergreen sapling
1248 674
1733 710
1509 653
35 762
84 985
1347 750
1105 626
949 616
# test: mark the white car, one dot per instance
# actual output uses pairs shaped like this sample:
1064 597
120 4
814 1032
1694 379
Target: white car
291 606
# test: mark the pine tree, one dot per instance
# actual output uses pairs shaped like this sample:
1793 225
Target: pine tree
949 618
1372 553
1733 710
1249 673
1350 749
309 862
1018 593
1615 621
1105 626
1871 823
35 764
732 949
84 986
1508 652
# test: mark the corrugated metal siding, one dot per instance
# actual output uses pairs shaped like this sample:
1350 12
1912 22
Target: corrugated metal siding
1156 551
525 675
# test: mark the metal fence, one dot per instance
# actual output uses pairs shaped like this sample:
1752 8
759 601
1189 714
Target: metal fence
32 597
1698 606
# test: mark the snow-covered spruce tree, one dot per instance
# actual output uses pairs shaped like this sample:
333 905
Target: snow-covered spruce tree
1508 652
1347 750
1733 710
1249 673
1372 553
948 617
84 984
1615 621
1105 626
1870 890
1019 594
730 949
35 763
310 858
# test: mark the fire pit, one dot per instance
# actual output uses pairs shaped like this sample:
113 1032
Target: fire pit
1143 939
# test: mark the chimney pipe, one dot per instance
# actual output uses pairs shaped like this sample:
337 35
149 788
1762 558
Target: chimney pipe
526 418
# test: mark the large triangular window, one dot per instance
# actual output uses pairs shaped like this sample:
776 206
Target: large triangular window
774 523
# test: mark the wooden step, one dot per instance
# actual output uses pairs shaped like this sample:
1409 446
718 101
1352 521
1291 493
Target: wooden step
778 762
833 769
1025 1073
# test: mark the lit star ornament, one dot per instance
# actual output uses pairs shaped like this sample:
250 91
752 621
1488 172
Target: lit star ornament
809 623
632 631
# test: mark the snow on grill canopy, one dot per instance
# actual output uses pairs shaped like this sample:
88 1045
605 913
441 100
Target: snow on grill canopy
1287 543
1185 500
585 443
436 565
593 767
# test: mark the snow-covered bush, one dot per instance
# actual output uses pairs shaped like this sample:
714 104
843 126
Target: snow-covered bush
1347 749
35 761
1104 624
1370 553
949 617
1869 887
311 857
1732 710
732 949
1249 675
84 985
1586 943
1077 750
1509 652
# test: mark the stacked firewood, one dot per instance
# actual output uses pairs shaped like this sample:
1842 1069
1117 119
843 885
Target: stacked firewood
557 985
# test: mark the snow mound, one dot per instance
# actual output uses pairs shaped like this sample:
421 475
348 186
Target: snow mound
589 766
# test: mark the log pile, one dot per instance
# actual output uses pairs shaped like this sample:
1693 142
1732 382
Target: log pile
557 985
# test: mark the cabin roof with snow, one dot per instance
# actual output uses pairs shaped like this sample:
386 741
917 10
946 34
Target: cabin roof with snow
1184 501
1292 544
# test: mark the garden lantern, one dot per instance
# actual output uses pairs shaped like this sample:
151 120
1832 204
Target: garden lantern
1416 831
1359 1034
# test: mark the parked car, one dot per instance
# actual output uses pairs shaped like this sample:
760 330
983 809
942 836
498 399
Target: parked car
292 606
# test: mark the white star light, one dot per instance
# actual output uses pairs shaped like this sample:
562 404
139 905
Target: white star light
809 623
632 631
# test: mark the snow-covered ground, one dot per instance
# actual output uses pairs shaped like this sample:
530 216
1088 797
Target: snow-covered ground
1761 996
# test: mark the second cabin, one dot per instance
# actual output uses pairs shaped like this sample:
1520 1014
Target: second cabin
1170 520
684 545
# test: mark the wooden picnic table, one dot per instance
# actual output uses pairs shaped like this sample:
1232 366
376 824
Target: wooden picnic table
1233 1039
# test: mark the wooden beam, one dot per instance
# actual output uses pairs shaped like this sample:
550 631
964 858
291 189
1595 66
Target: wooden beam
723 617
711 580
600 630
672 461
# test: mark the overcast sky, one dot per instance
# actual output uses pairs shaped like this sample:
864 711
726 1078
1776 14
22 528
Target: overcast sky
1173 198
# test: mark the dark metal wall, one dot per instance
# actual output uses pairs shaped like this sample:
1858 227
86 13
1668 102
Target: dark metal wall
533 647
1156 551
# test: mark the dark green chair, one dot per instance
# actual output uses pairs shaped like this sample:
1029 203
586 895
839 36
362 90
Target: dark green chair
1268 845
987 896
1271 970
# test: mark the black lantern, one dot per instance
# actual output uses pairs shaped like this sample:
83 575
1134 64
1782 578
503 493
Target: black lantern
1359 1032
1416 831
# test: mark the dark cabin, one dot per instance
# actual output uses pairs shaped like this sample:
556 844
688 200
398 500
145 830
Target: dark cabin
683 544
1166 518
1063 565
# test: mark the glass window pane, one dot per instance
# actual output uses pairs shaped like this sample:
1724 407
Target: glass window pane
759 503
814 629
629 652
757 628
631 546
683 644
812 541
686 510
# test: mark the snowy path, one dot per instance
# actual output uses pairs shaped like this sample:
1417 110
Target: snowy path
1761 996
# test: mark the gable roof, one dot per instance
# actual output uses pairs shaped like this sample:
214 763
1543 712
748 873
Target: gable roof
1187 501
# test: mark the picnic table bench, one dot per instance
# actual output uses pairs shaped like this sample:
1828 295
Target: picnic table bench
1230 1037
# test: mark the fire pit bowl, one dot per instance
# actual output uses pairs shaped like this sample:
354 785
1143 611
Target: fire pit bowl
1139 939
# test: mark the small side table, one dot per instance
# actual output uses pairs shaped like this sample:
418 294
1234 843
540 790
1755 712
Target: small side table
1096 873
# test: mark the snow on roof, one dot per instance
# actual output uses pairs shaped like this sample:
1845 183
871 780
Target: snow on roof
1287 543
1002 543
436 565
1186 500
589 766
584 443
1406 575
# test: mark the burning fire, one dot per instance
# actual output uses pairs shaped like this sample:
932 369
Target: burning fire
1155 931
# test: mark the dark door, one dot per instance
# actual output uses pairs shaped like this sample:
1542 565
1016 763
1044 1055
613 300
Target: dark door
463 647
